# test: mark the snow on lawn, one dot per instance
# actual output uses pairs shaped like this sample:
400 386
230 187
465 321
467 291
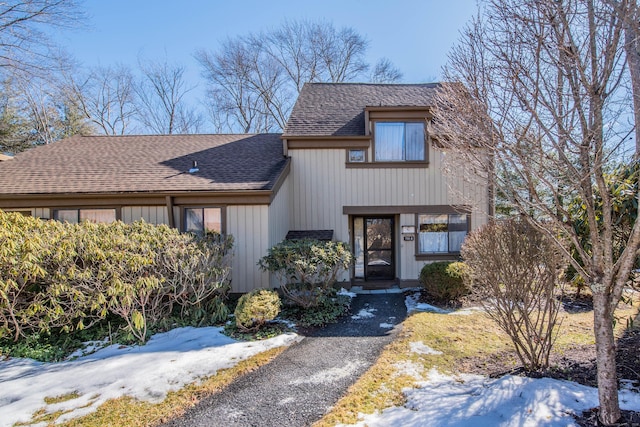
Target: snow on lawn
473 400
411 301
413 305
167 362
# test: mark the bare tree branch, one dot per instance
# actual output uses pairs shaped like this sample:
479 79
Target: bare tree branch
253 81
538 89
162 99
24 44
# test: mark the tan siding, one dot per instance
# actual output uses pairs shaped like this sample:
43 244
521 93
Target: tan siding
249 226
321 185
279 219
279 215
151 214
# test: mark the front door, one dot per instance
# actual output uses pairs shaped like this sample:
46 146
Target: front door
373 248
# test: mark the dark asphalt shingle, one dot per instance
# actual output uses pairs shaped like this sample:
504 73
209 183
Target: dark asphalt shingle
337 109
146 163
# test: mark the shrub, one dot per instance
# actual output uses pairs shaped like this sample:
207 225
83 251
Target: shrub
197 274
256 308
306 268
444 281
69 276
329 308
516 273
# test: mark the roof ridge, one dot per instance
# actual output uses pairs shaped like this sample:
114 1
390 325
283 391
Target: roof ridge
174 135
372 84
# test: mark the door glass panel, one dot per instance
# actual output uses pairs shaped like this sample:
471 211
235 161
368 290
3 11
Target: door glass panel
378 233
379 256
358 246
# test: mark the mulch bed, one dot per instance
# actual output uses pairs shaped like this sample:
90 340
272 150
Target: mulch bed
578 364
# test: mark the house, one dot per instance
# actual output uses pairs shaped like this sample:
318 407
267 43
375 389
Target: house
356 163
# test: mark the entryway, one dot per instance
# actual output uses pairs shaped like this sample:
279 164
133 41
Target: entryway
373 246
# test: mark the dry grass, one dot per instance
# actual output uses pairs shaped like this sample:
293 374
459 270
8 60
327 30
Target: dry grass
460 338
126 411
380 387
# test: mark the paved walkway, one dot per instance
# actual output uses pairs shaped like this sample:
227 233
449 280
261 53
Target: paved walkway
306 380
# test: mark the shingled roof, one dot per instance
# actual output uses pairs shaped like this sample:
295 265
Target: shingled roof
149 163
337 109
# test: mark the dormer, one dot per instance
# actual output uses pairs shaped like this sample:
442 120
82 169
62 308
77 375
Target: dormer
378 125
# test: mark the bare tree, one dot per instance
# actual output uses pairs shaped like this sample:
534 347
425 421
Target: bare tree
341 52
24 44
162 99
385 72
538 98
106 97
246 86
514 273
49 113
254 80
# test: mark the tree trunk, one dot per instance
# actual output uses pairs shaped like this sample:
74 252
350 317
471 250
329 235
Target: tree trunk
605 358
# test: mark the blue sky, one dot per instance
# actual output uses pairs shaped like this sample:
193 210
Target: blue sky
414 34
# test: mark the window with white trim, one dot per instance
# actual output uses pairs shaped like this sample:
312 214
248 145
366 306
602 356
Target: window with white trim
75 216
399 141
441 233
197 220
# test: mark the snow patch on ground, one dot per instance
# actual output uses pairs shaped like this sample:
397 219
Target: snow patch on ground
466 400
365 313
413 305
411 301
167 362
411 369
331 375
386 325
467 311
422 348
345 292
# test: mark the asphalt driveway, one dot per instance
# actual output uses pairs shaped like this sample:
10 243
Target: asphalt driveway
307 379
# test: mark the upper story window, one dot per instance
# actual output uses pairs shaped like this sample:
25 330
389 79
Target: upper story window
77 215
441 234
197 220
399 141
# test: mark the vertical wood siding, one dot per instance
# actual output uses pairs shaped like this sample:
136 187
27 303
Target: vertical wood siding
249 226
279 214
151 214
279 220
321 185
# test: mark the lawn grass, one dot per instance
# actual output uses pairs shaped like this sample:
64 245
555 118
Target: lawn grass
127 411
460 338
